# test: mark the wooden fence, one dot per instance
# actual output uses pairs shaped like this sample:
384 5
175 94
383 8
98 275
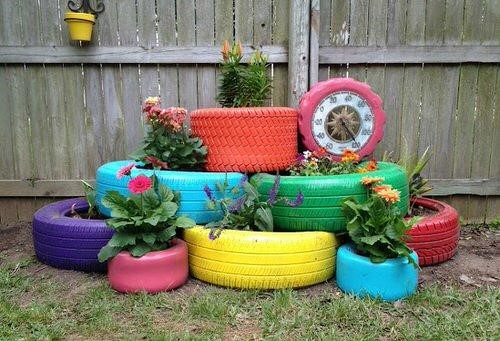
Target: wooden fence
65 108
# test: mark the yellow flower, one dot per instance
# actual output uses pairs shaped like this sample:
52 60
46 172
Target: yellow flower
362 170
367 181
238 49
389 194
152 100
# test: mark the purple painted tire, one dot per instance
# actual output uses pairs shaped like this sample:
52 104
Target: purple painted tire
68 243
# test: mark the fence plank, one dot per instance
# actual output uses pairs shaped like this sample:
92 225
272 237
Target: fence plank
205 18
280 38
147 26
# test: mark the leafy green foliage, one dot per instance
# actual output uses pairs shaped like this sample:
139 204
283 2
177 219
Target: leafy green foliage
91 197
320 163
248 211
142 223
243 85
413 166
377 228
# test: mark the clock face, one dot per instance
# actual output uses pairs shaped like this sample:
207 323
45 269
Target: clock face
342 120
341 113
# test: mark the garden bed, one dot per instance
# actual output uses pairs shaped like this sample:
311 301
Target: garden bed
455 300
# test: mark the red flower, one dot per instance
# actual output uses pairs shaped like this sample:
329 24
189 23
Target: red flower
140 184
156 162
372 166
125 171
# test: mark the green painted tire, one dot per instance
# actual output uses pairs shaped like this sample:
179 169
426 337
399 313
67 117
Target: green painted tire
323 196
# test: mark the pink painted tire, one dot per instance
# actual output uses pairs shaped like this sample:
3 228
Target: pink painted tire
152 273
319 91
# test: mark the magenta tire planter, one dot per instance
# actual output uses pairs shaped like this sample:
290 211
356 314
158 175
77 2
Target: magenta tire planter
152 273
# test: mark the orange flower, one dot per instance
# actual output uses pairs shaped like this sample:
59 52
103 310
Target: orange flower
367 181
349 156
390 195
319 153
372 165
225 50
379 188
238 49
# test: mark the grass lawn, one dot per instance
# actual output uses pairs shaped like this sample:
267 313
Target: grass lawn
38 302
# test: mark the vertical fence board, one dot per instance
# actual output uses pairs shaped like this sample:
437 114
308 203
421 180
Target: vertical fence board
224 29
280 36
205 19
340 33
244 21
186 36
147 21
262 27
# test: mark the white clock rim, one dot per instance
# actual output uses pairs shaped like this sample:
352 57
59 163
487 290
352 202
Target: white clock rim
338 148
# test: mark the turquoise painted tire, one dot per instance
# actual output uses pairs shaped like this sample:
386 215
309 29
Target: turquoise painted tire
323 196
391 280
189 184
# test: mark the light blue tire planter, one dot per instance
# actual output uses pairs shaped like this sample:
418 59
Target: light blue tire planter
193 201
391 280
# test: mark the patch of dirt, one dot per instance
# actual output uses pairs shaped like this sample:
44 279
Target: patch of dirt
476 264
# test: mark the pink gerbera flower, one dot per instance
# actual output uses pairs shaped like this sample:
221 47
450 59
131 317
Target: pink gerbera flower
125 171
140 184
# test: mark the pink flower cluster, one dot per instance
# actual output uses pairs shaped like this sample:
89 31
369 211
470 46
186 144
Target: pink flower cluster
171 118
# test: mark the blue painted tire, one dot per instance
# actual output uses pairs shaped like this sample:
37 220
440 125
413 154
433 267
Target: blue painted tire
189 184
391 280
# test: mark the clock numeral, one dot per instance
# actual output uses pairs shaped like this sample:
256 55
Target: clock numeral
318 121
361 104
321 109
329 145
348 98
366 132
355 145
320 135
368 118
333 99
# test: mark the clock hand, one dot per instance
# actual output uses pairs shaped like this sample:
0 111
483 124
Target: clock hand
348 130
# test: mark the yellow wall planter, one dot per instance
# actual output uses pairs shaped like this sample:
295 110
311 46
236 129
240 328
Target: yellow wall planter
80 25
261 260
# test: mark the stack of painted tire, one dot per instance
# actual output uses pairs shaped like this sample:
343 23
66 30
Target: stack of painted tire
68 243
193 200
435 237
323 195
247 139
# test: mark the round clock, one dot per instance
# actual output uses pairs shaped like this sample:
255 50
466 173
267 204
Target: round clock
341 113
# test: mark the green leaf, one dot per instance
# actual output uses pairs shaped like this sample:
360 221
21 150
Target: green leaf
107 252
184 222
153 220
166 234
118 223
264 219
149 238
371 239
150 201
168 209
165 194
140 250
117 203
122 239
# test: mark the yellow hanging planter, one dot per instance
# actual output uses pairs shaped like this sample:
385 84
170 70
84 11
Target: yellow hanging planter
80 25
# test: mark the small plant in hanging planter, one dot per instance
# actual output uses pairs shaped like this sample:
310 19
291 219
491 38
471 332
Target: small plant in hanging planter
378 263
168 143
80 24
144 254
245 135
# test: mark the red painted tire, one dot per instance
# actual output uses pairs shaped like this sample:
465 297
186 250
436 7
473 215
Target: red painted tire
319 91
435 238
247 139
154 272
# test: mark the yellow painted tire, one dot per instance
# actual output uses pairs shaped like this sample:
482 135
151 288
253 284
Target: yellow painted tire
261 260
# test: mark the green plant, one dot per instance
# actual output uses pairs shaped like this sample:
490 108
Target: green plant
91 197
320 162
376 226
143 222
168 144
243 85
248 211
413 166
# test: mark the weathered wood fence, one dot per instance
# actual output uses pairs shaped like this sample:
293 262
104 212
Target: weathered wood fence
65 108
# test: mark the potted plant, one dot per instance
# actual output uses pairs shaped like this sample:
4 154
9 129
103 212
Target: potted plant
377 263
68 234
244 135
80 25
176 157
242 251
143 253
325 183
435 237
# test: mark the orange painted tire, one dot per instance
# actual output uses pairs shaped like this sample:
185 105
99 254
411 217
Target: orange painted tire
247 139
